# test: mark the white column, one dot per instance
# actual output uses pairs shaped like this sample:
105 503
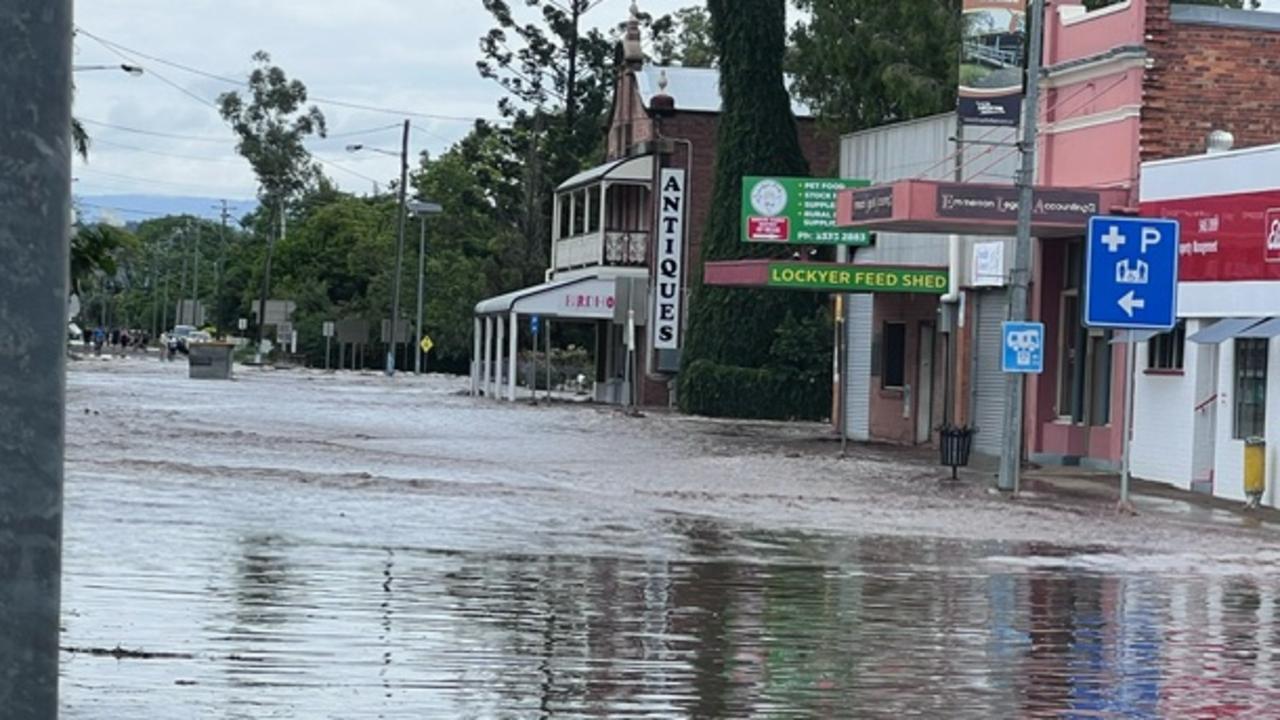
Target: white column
498 350
475 357
487 370
515 352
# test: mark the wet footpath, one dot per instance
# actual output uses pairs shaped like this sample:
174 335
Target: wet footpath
295 544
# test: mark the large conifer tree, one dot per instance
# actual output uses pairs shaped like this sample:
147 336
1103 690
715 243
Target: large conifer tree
752 352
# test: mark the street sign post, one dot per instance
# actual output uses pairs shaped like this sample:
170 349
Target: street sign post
1023 345
1131 283
534 322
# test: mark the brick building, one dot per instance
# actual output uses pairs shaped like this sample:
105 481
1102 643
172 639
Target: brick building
611 240
1136 81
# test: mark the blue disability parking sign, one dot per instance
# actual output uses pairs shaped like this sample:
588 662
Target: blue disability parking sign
1131 276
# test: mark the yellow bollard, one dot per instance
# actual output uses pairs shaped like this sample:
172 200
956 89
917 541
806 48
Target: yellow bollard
1255 470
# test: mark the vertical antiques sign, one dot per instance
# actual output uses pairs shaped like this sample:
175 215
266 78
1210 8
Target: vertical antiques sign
669 270
992 61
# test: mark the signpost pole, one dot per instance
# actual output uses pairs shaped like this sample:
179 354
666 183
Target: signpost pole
1011 455
35 207
548 345
1130 350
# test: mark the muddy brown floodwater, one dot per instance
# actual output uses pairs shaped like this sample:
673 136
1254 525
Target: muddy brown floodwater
296 545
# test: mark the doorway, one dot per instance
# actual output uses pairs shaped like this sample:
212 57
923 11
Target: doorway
1205 428
924 385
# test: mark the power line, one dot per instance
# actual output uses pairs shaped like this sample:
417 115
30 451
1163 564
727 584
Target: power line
134 178
135 148
130 211
120 50
154 133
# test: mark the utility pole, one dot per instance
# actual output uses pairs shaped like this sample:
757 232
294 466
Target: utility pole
35 211
266 280
422 270
195 279
222 258
1011 456
395 290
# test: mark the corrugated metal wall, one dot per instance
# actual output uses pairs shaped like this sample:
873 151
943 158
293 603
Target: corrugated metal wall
922 149
857 396
989 380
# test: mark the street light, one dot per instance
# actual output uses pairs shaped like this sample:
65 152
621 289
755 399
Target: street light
395 291
421 208
357 147
134 70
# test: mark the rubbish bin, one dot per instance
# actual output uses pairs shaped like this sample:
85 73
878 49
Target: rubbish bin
1255 470
954 444
210 361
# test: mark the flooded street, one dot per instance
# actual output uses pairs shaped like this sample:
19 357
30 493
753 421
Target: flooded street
301 545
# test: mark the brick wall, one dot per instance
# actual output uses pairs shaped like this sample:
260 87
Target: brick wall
820 149
1207 77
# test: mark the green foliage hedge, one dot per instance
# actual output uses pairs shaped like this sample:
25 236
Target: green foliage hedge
753 393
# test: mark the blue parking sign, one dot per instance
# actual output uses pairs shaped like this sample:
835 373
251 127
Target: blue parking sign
1131 273
1023 344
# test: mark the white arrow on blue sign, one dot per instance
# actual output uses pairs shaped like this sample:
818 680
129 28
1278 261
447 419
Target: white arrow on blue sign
1131 273
1023 347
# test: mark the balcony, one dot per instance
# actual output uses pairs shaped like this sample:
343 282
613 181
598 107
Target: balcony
602 217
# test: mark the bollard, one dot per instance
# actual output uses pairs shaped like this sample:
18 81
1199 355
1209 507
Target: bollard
1255 470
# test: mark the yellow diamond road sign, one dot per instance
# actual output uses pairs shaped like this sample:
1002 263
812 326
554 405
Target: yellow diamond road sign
426 344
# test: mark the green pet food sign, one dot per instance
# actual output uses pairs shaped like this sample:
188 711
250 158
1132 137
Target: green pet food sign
796 211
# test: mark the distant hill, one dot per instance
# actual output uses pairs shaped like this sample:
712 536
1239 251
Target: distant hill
132 209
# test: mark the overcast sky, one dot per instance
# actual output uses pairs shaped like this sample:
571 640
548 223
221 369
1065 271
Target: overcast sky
415 55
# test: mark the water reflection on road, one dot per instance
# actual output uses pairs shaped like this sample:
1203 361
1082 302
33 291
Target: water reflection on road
299 545
280 609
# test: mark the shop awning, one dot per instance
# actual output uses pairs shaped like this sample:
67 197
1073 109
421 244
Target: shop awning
1224 330
946 208
583 298
1266 329
1122 336
632 170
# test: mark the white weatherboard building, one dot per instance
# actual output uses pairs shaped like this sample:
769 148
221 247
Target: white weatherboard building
1214 382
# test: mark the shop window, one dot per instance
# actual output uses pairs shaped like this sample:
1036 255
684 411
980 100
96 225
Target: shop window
1083 354
1165 351
893 369
1251 387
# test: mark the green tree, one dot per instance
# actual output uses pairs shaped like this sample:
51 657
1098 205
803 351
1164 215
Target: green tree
749 343
864 63
684 38
272 123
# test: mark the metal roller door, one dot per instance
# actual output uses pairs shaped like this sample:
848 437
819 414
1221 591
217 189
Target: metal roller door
857 395
989 381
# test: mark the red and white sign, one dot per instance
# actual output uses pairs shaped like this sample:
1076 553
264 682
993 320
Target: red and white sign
777 229
1225 237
